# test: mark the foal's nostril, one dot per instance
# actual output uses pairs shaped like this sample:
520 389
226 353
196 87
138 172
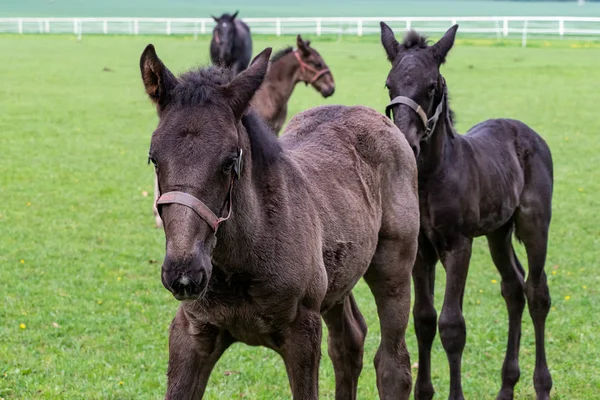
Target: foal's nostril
186 287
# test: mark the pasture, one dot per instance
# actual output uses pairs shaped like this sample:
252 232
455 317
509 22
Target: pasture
84 313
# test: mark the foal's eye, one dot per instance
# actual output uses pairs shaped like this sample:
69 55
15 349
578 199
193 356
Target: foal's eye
153 161
432 89
228 165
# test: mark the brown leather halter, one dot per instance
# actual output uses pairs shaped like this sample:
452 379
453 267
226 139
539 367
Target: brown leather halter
428 123
198 206
304 66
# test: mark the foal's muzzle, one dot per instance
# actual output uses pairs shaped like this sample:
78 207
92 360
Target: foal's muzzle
186 279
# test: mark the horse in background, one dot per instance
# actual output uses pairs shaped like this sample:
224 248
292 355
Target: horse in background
231 44
288 67
495 181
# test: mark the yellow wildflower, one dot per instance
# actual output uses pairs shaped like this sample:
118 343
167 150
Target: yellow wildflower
22 261
22 326
99 301
567 297
553 272
494 281
121 383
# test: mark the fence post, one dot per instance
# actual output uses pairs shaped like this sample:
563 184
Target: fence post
524 39
359 28
278 27
453 21
505 27
40 26
318 26
408 24
20 26
168 27
47 23
135 27
203 27
105 27
561 27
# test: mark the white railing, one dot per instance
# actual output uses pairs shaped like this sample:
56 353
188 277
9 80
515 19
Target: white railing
498 27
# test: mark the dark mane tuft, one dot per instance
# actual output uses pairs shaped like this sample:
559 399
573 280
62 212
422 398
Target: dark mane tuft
412 40
263 142
196 87
281 53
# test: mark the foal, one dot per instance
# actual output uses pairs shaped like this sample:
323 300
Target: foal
494 181
263 236
288 67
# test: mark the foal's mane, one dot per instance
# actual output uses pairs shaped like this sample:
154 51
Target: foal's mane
202 86
414 40
280 54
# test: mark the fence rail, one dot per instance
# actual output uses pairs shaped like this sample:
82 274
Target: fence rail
498 27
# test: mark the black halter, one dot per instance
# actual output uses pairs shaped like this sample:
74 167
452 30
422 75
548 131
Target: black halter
428 123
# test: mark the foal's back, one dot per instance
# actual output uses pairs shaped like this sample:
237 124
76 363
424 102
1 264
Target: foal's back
505 157
363 182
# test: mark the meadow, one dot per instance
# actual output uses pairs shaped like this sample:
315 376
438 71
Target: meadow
84 314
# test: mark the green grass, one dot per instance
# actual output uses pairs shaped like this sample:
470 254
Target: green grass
80 259
278 8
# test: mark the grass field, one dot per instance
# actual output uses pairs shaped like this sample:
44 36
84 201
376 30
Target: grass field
84 314
305 8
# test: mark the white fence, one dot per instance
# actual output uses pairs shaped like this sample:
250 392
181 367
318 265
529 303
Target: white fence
498 27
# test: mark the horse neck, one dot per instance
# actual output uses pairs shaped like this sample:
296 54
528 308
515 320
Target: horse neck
240 234
282 77
436 152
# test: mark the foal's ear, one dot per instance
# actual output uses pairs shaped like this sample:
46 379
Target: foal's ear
389 42
217 20
158 80
241 89
443 46
302 46
235 15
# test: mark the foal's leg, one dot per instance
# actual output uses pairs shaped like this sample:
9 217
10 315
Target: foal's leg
157 218
388 277
347 332
505 259
424 315
193 353
532 227
453 332
301 352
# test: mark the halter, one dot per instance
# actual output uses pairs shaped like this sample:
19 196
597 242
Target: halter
428 123
198 206
305 66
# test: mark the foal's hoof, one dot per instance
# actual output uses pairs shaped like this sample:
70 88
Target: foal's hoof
505 394
424 393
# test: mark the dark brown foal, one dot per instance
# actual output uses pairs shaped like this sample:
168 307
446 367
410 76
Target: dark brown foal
494 181
263 236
